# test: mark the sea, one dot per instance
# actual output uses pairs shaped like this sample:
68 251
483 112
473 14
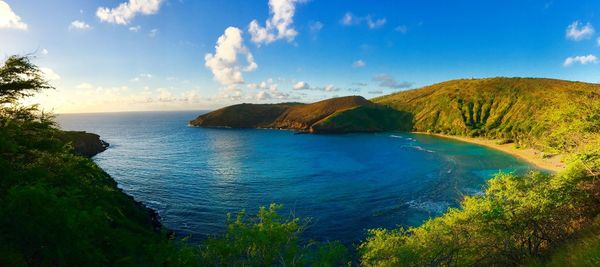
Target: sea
339 185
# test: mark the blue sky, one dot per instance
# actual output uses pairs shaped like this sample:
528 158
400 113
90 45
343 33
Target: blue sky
120 55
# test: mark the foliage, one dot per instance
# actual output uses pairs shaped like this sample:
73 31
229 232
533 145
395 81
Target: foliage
582 250
516 218
266 240
20 78
61 209
366 118
552 115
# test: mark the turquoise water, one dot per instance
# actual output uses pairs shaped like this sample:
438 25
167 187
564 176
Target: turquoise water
345 183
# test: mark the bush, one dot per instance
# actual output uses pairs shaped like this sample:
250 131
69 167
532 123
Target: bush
516 218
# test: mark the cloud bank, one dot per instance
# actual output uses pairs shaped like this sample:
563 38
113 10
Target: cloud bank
278 26
125 12
10 20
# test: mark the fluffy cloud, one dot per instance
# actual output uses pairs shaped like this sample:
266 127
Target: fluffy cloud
330 88
50 74
268 90
142 76
79 25
389 82
8 18
224 62
263 95
315 27
576 33
301 86
153 33
125 12
581 60
135 28
359 63
349 19
306 86
401 29
278 26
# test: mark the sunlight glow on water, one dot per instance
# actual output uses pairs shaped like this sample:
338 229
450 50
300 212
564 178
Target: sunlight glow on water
345 183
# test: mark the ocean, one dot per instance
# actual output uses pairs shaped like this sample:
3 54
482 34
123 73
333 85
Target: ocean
344 184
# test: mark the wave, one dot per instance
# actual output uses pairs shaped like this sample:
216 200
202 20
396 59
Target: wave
438 207
421 149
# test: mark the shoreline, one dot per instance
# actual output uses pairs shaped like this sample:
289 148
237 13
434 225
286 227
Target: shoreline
530 155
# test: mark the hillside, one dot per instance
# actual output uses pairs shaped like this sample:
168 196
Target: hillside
551 115
315 117
84 144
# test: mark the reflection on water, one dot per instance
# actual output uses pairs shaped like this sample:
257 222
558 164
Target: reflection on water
346 183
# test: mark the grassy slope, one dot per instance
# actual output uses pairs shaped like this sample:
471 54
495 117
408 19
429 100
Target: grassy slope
551 115
304 116
367 118
582 250
242 116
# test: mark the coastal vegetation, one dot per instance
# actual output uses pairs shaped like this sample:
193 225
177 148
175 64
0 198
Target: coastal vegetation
58 208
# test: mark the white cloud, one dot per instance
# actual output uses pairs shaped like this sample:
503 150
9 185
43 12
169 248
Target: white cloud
263 95
376 92
349 19
153 33
402 29
268 90
374 24
44 51
50 74
305 86
135 28
389 82
125 12
79 25
224 62
576 33
278 26
330 88
301 86
315 27
142 76
264 85
581 60
359 63
598 41
8 18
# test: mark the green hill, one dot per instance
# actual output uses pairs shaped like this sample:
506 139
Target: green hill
362 116
548 114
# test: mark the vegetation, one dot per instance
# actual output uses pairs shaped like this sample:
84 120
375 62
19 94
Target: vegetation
366 118
551 115
305 117
60 209
517 218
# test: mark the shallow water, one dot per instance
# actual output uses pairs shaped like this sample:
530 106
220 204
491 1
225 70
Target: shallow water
345 183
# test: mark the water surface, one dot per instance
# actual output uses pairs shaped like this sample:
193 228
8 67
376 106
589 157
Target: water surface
345 183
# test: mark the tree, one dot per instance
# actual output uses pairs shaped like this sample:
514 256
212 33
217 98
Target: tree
20 78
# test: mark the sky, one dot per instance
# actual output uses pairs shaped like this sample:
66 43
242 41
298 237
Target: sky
141 55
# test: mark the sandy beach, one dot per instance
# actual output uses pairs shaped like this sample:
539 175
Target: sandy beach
530 155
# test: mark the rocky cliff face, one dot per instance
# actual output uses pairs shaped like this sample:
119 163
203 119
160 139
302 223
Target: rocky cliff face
85 144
